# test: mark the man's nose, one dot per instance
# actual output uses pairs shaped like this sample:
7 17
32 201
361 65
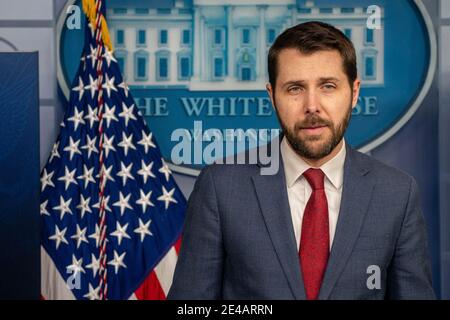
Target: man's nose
311 102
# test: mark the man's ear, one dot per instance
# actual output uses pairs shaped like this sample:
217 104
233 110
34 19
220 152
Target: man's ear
270 92
356 88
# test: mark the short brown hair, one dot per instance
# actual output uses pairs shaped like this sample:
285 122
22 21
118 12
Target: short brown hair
308 38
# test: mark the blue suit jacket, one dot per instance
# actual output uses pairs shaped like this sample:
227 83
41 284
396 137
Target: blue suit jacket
239 243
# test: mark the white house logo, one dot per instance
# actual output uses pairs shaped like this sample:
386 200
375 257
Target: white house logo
188 61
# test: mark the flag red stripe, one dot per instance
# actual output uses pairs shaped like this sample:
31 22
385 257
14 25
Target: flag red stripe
150 289
178 245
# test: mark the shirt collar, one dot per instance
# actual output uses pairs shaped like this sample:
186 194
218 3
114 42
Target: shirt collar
295 166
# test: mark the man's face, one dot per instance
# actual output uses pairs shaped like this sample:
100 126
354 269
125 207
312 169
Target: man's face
313 100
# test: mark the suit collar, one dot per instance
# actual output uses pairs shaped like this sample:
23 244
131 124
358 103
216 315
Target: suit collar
356 195
274 204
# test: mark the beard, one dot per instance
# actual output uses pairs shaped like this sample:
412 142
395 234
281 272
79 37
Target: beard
303 147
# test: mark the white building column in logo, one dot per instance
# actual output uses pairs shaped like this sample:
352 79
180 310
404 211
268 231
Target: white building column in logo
262 42
293 9
203 56
231 43
196 67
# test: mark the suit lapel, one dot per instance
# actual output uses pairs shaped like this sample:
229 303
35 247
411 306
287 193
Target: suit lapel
274 204
356 195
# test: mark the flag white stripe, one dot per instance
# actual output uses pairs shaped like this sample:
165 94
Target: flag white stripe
132 297
53 285
165 270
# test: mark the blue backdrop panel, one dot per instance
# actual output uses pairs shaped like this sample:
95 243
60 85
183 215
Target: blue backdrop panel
19 176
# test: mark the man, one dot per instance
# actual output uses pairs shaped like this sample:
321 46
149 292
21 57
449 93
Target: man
332 223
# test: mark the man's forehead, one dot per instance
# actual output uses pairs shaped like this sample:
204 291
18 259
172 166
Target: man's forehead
298 66
295 52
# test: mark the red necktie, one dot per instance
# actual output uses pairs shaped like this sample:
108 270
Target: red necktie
315 236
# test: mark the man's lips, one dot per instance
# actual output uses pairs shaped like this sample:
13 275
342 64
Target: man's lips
313 129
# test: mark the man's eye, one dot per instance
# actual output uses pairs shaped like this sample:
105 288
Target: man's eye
329 86
294 89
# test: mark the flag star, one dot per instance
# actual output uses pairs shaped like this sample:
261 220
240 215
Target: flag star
127 113
73 148
106 173
93 294
44 208
146 141
90 146
109 114
108 55
91 116
125 172
94 265
144 200
108 145
146 171
77 118
123 203
125 88
126 143
84 206
167 197
121 232
143 229
96 236
93 55
68 177
165 170
46 179
55 152
92 86
109 85
59 236
64 206
117 262
80 236
76 266
79 88
87 176
105 204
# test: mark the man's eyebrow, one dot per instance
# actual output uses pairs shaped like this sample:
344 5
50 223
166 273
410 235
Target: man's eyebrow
328 79
303 82
294 82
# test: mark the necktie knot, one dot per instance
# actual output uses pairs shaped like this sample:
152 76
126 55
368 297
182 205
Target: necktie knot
315 178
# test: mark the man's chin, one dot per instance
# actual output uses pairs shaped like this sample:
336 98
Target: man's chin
313 147
316 153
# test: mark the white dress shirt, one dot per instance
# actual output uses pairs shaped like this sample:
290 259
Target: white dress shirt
299 190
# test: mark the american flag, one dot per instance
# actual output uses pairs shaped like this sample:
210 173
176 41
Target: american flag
111 212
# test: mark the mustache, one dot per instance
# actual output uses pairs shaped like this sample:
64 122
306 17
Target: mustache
312 121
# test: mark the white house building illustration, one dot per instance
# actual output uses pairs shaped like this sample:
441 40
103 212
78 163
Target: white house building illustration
222 45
